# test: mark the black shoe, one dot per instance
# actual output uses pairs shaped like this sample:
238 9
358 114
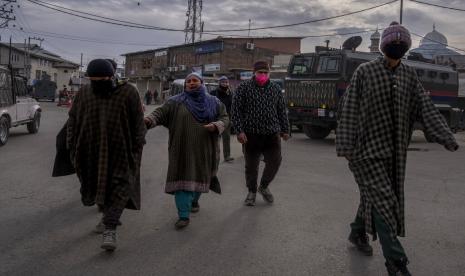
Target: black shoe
397 268
265 192
181 223
250 199
195 207
361 241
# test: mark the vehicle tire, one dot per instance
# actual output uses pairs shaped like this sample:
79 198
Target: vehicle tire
4 130
33 127
316 132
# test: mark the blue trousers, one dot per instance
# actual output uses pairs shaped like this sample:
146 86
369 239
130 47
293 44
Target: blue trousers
184 201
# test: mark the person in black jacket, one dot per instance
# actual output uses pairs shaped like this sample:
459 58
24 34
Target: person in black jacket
224 94
259 117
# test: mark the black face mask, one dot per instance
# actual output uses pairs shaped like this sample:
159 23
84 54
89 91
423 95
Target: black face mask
103 87
395 51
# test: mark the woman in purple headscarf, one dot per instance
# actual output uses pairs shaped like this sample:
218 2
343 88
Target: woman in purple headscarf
195 120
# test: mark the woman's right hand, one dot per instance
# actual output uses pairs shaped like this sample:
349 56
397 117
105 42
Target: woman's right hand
147 122
242 138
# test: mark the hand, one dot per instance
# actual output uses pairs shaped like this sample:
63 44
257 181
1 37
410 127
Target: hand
242 138
452 146
210 127
285 136
147 122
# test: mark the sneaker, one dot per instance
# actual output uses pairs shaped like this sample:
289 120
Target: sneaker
250 199
265 192
109 240
195 207
228 159
181 223
397 268
361 241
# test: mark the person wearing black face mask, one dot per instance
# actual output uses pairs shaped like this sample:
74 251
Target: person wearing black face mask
224 94
106 147
375 125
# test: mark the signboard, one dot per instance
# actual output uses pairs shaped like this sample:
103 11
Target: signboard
161 53
246 75
211 47
212 67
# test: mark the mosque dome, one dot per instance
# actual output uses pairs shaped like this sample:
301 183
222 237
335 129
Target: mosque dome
434 38
433 44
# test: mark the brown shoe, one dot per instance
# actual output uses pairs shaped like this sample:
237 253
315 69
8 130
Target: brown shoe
181 223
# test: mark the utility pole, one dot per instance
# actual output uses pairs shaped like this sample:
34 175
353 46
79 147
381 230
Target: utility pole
401 10
28 50
250 24
6 13
194 23
80 70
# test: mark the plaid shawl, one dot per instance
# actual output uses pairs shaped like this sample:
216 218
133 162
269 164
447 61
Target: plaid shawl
375 122
105 138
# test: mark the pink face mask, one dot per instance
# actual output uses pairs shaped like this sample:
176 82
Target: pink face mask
261 79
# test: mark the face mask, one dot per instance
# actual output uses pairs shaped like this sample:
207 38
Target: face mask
395 51
261 79
102 86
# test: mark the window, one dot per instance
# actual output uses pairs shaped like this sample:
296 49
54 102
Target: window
301 66
55 76
444 76
38 74
328 65
420 72
432 74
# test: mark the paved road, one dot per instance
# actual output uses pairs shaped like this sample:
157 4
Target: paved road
44 230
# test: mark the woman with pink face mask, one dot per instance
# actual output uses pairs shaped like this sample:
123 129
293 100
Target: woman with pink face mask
259 117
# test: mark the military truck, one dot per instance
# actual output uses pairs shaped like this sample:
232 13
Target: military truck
17 107
316 82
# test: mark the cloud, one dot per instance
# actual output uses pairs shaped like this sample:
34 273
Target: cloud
223 14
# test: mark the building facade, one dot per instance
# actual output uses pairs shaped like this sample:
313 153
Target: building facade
155 69
35 63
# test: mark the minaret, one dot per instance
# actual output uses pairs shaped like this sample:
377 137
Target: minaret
375 38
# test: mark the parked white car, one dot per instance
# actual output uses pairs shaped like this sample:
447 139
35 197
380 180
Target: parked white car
17 107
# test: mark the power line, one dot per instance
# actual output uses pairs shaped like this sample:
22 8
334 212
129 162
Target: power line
92 40
116 21
142 26
305 22
436 5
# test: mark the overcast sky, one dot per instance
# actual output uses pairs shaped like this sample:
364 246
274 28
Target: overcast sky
219 15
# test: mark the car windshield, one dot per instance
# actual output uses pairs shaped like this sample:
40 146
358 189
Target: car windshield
301 66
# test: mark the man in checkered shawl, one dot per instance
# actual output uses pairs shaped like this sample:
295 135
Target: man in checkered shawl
376 118
105 136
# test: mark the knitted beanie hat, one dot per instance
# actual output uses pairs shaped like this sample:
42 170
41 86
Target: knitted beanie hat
194 74
395 32
100 68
